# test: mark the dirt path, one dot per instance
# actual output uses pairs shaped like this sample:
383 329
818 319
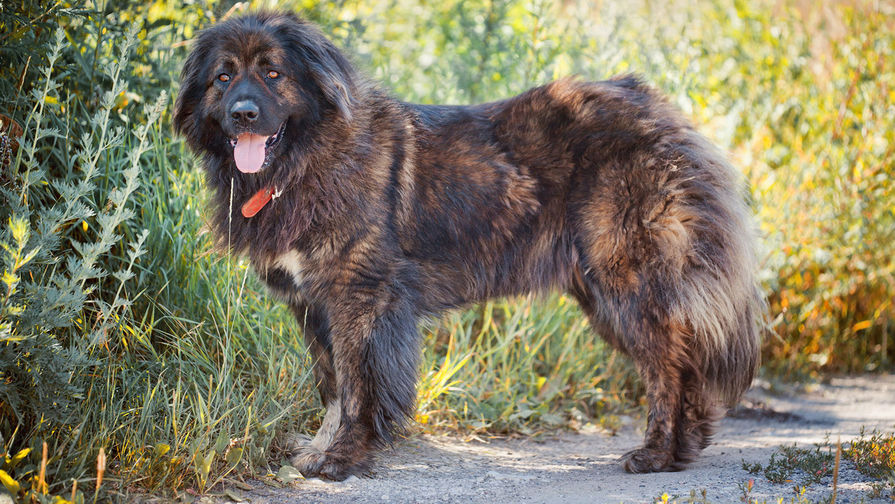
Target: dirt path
573 468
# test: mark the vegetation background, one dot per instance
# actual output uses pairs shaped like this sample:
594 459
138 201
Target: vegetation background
134 358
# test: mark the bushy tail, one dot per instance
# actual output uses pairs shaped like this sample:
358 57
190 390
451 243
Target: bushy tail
721 298
730 368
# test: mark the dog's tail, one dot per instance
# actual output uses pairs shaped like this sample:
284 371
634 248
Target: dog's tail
720 297
731 352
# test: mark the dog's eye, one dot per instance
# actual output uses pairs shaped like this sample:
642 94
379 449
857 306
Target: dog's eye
223 77
273 74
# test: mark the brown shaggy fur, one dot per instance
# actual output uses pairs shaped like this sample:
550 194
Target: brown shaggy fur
392 211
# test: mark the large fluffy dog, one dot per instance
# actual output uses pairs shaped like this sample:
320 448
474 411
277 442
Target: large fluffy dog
365 213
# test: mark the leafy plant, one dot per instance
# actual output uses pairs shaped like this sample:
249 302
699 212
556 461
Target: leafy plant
787 461
873 454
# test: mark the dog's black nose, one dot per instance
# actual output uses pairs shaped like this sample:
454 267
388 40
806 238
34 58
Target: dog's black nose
244 111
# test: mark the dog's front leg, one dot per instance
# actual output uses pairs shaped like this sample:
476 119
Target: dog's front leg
315 329
375 355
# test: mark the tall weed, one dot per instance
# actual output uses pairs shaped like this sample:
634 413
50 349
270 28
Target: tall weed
121 334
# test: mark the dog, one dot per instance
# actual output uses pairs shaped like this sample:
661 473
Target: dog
365 214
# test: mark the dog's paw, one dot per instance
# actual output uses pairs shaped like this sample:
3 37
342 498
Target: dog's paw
335 470
311 463
646 460
293 444
308 461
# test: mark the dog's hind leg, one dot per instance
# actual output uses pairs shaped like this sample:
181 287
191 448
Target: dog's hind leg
660 354
659 350
700 413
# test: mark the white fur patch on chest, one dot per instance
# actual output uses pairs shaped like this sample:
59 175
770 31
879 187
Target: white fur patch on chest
293 263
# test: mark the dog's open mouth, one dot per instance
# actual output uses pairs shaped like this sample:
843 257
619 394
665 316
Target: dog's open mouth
253 152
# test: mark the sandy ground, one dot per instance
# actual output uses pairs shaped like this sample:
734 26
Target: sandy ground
582 468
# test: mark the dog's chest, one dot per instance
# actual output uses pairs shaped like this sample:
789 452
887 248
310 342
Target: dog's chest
286 274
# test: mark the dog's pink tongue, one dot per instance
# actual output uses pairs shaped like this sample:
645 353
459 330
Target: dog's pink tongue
249 152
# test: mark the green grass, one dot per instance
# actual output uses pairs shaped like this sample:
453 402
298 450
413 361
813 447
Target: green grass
519 365
172 359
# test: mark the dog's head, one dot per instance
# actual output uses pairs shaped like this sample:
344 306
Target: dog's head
256 83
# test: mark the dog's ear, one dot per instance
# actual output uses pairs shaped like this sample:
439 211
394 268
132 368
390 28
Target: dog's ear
191 90
333 74
327 66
